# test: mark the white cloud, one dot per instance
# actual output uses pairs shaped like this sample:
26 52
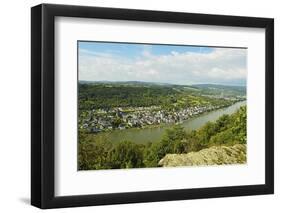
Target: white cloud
174 53
219 66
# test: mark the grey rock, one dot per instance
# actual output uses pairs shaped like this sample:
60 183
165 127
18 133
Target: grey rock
216 155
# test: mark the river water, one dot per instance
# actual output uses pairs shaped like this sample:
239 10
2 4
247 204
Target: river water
155 134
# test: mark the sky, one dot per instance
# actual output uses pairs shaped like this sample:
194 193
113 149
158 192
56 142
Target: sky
175 64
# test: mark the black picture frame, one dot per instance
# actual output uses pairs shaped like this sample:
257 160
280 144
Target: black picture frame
43 102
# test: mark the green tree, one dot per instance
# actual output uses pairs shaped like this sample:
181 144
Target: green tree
92 154
173 141
126 155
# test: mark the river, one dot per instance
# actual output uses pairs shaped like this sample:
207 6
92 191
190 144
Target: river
155 133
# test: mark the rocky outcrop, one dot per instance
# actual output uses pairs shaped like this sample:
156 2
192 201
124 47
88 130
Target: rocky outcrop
216 155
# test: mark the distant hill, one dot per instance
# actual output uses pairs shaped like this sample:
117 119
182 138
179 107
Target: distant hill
225 90
219 86
124 82
199 89
202 86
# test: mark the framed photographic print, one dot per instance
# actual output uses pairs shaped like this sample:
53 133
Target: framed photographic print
140 106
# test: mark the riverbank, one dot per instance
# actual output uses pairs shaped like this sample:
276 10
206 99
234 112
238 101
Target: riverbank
157 118
145 135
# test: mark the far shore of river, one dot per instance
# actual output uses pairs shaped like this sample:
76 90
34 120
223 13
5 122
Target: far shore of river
151 133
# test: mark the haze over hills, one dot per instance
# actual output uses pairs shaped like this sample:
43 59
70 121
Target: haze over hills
123 82
203 85
203 89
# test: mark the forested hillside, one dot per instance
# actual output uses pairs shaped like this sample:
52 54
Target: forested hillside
140 94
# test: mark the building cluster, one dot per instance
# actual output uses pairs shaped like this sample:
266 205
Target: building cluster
100 120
